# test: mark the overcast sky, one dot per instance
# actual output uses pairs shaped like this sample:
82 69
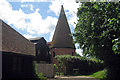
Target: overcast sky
37 18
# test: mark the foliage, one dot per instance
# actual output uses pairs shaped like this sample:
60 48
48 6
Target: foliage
55 66
41 77
98 33
69 58
99 74
98 28
81 64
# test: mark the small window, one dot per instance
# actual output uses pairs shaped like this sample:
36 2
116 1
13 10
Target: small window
53 54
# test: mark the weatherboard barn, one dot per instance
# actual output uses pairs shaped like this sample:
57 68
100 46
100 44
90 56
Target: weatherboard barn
17 54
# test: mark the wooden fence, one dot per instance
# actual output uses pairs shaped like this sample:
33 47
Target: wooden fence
46 69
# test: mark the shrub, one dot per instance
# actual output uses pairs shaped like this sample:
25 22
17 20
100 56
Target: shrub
55 66
84 65
41 77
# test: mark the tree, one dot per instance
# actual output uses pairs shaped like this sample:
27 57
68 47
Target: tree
98 33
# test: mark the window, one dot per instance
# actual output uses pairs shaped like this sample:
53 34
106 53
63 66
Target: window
53 54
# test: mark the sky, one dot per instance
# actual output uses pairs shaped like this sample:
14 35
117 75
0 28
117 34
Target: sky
38 18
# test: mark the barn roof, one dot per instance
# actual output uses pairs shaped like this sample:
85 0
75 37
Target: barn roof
14 42
37 38
61 37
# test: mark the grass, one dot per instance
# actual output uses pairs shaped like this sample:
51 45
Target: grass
99 74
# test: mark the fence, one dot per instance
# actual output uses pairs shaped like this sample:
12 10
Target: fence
46 69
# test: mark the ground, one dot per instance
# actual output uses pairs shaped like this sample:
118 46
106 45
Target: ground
73 78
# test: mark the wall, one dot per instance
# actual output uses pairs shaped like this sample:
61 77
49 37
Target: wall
0 65
0 50
46 69
17 66
60 51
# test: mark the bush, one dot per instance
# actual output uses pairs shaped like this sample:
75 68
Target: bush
84 65
55 66
41 77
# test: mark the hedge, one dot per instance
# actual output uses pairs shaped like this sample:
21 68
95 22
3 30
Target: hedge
79 65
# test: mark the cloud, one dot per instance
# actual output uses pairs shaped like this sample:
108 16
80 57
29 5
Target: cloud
15 17
33 22
70 7
35 0
28 5
78 50
27 0
40 26
51 35
55 6
28 36
31 7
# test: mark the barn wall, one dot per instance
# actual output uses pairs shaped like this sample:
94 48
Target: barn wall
17 66
0 65
0 50
0 36
14 42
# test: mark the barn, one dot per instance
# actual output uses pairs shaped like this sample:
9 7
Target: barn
17 54
42 50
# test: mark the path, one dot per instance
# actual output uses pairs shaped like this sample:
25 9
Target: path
73 78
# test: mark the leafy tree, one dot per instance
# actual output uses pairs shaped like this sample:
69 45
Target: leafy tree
98 33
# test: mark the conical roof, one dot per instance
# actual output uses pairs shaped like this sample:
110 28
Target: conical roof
61 37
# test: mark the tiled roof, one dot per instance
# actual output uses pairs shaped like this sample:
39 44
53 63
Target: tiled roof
12 41
37 38
61 37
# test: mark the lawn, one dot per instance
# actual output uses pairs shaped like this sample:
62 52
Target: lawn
99 74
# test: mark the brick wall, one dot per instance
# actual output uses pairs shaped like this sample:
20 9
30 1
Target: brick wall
60 51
